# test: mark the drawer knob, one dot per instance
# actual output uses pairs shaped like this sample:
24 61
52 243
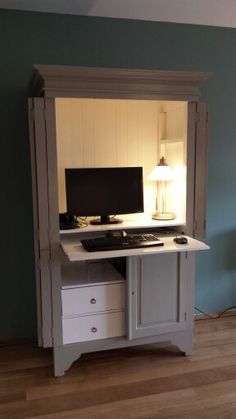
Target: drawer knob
94 329
93 301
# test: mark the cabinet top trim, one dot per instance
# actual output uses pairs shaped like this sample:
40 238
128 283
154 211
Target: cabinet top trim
65 81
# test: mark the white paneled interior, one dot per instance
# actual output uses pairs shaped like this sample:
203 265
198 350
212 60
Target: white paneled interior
119 133
173 143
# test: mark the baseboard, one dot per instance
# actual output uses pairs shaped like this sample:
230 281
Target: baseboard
228 313
18 341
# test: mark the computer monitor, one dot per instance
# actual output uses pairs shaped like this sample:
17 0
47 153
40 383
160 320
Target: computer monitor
104 192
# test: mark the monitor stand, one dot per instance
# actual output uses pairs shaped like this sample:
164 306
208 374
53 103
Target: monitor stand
105 219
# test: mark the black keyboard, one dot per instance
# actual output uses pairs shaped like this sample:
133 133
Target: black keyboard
129 241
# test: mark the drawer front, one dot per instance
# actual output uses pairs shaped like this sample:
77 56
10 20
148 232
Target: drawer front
92 299
93 327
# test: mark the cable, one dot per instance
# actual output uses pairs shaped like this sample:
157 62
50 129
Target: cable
216 316
82 221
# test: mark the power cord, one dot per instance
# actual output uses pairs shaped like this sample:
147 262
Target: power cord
82 221
217 316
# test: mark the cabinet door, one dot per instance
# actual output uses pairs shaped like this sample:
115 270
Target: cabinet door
38 150
201 171
197 169
159 298
46 222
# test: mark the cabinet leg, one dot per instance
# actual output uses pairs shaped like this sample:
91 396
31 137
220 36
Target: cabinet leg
184 341
64 356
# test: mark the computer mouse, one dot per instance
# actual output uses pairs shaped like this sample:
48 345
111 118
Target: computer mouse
180 240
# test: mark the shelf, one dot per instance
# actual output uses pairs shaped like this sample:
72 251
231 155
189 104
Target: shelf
171 140
142 222
75 251
87 274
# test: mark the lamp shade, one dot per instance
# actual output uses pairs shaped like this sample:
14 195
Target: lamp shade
161 172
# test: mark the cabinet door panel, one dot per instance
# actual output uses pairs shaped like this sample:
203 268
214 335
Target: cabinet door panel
197 169
157 294
159 277
201 172
41 222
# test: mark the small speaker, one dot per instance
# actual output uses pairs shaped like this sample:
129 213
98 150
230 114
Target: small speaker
68 221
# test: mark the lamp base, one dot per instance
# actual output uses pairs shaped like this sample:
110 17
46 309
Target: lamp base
164 216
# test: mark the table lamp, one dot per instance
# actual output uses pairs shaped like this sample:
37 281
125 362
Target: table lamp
162 173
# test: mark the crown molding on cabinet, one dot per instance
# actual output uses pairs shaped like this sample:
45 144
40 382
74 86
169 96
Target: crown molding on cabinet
66 81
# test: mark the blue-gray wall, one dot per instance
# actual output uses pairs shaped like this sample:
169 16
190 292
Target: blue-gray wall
36 38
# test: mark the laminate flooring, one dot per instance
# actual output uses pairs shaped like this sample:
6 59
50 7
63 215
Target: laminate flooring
139 383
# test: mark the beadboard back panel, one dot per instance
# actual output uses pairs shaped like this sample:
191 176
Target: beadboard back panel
109 133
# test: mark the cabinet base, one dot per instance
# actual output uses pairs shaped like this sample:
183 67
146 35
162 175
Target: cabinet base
65 355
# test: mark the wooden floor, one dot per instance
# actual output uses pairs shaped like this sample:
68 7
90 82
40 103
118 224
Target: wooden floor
141 382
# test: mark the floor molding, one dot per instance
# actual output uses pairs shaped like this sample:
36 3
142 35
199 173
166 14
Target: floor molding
215 315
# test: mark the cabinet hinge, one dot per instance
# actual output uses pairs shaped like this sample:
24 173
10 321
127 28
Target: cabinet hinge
185 316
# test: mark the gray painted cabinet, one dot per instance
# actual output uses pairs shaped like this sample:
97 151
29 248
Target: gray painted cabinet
159 284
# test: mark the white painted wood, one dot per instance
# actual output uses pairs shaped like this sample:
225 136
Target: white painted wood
46 296
42 171
101 82
53 231
35 217
107 133
75 251
141 221
88 273
173 146
191 134
112 145
122 124
201 172
99 326
159 295
38 140
159 277
188 269
87 133
133 132
175 120
92 299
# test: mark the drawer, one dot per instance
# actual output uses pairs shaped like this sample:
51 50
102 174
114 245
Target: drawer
99 326
93 299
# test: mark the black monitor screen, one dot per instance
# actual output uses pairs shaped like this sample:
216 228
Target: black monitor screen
104 192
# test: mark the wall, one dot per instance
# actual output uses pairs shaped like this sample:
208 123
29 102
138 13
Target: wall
34 38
